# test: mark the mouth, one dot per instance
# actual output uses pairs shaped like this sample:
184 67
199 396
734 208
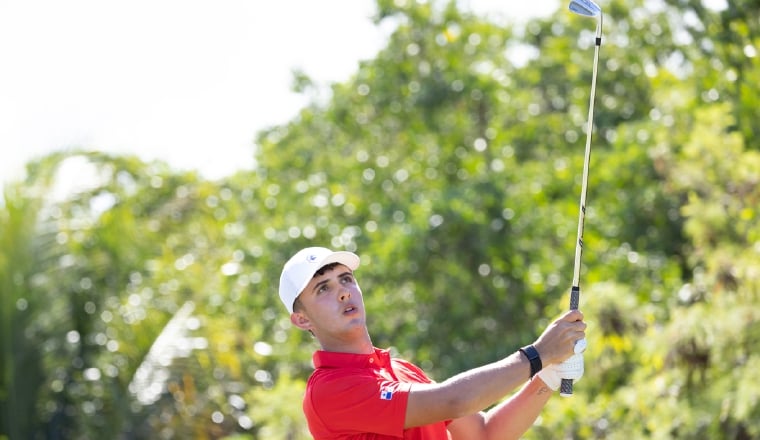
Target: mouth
348 310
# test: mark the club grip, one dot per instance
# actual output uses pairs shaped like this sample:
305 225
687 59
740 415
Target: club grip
575 297
566 386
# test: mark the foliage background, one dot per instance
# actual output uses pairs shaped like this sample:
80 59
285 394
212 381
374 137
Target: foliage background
143 305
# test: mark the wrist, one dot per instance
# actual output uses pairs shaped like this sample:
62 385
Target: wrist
533 357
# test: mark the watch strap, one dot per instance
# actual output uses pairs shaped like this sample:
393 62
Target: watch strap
533 357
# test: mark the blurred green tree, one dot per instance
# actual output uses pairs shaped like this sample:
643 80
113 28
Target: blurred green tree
142 304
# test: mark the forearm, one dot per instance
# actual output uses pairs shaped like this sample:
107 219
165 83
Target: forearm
466 393
481 387
513 417
472 391
508 420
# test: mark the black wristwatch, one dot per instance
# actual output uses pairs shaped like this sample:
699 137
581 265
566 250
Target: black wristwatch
531 353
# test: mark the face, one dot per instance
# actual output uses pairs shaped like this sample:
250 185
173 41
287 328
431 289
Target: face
331 305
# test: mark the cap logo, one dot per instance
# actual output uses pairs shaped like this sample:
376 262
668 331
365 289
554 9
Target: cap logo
311 258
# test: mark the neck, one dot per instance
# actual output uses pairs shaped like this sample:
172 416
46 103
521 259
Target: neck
357 344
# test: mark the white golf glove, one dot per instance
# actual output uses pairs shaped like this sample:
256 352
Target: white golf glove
571 368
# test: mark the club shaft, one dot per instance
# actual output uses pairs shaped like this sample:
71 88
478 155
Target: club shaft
584 179
566 387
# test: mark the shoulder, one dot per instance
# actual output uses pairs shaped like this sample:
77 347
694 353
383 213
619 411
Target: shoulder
349 400
330 382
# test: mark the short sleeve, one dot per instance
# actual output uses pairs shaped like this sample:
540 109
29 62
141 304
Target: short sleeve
358 403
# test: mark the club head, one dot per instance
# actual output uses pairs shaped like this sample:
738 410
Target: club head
585 7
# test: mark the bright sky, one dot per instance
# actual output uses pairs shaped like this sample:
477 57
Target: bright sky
185 81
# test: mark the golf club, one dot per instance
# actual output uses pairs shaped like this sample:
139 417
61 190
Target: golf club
587 8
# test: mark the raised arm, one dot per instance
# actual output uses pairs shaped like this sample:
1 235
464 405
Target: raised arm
474 390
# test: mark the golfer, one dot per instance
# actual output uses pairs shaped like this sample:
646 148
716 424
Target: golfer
358 391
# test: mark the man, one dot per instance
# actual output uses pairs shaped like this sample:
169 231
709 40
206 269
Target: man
358 391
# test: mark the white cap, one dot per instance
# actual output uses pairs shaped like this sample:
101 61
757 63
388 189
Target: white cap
301 267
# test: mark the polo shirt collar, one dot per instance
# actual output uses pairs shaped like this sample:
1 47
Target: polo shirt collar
330 359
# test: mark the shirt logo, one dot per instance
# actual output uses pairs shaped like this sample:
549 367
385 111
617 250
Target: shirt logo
386 393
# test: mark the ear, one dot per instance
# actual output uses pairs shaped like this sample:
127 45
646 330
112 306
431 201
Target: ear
300 320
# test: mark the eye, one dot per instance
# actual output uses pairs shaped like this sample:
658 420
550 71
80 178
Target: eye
347 279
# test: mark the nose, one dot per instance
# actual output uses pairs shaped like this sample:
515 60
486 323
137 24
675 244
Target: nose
344 294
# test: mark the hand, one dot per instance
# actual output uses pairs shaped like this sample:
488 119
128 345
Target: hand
553 374
558 341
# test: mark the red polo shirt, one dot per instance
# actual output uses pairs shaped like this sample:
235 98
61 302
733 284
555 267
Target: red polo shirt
363 396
